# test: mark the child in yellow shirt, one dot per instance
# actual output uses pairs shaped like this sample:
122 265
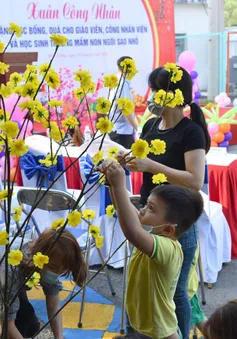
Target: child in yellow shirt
157 258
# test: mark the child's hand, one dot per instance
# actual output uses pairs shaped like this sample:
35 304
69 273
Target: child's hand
114 173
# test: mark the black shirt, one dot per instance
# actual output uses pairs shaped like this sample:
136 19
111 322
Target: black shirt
185 136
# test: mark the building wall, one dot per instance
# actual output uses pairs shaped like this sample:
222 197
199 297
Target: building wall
193 20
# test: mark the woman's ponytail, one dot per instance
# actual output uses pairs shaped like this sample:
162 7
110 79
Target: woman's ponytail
197 116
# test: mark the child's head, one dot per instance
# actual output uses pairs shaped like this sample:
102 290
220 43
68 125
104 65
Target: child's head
65 256
223 323
175 207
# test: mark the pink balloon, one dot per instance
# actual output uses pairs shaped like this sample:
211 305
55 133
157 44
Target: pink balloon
18 115
196 81
193 96
213 128
195 88
2 165
227 101
218 99
187 60
223 95
28 126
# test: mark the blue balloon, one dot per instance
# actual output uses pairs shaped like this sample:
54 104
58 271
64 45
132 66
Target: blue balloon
197 95
228 136
194 74
2 153
223 144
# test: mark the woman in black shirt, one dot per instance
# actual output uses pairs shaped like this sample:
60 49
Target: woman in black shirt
187 142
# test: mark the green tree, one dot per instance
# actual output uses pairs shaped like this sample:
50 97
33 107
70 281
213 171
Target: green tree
230 11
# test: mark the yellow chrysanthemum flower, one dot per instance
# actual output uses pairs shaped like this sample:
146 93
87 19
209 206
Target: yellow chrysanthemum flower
52 79
28 90
103 105
6 90
110 81
18 147
131 75
43 68
176 73
15 257
57 134
50 160
102 179
158 147
55 103
34 280
79 93
140 149
3 194
59 40
160 97
99 241
70 122
14 28
104 125
40 114
2 46
9 129
112 151
179 98
17 213
110 210
56 224
15 78
88 215
94 231
126 105
84 77
159 178
40 260
97 157
128 65
4 116
3 238
74 218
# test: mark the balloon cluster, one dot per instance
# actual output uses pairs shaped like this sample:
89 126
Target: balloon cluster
26 129
188 60
223 100
220 134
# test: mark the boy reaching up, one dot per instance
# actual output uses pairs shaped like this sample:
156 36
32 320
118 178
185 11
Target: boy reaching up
157 258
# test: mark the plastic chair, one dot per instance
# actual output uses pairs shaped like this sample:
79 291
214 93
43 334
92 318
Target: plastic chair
55 200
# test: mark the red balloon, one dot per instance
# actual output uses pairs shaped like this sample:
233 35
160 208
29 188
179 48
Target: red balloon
224 128
218 137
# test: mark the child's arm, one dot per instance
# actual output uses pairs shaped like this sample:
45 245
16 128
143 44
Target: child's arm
127 214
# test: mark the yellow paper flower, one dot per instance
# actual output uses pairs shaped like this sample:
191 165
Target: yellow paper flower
110 210
30 69
33 79
97 157
176 73
55 103
2 46
179 98
56 224
50 160
18 147
40 114
103 105
70 122
6 90
15 78
4 68
74 218
15 257
28 90
33 280
99 241
128 65
88 215
84 77
102 179
57 134
158 147
3 194
159 178
94 230
10 129
131 75
40 260
17 213
59 40
126 105
79 93
91 87
43 68
159 97
4 116
3 238
104 125
140 149
14 28
110 81
52 79
28 104
112 151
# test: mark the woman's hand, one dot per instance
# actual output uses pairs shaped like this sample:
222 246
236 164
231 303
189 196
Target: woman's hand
138 165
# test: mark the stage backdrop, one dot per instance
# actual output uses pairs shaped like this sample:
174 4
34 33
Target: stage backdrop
99 33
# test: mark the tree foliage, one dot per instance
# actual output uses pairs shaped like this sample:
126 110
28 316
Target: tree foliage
230 11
